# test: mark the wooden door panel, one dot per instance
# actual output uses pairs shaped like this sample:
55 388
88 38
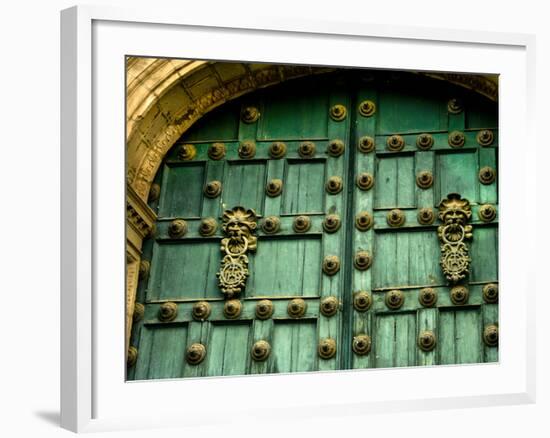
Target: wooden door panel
184 197
294 346
245 184
304 191
460 338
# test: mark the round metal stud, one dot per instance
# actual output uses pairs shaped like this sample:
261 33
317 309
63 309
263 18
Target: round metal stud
426 340
362 260
425 216
296 308
277 150
306 149
260 351
213 189
132 356
332 223
394 299
168 312
250 114
201 310
334 185
208 227
361 344
335 148
301 224
216 151
424 142
490 335
424 179
363 221
367 108
144 268
331 265
490 293
329 306
232 309
395 143
395 218
264 309
364 181
485 137
154 192
487 175
177 228
459 295
456 139
274 188
455 106
247 149
487 212
338 112
187 152
271 224
195 354
327 348
362 301
427 297
365 144
139 312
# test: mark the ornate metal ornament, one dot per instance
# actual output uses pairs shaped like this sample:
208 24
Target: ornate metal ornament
395 143
277 150
195 354
306 149
296 308
216 151
144 268
139 312
490 335
301 224
264 309
455 106
232 309
187 152
334 185
362 301
326 348
395 218
338 112
487 175
247 149
363 221
177 228
364 181
271 224
487 212
454 212
424 142
260 351
424 179
362 260
201 310
154 193
274 188
361 344
208 227
367 108
336 148
459 295
394 299
365 144
331 265
329 306
168 312
456 139
425 216
132 356
490 293
213 189
238 226
426 340
332 223
250 114
485 137
427 297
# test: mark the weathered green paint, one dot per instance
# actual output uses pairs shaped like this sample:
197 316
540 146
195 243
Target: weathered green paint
288 264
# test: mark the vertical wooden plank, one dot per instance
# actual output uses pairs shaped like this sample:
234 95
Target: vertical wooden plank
294 346
262 330
424 161
487 158
181 190
212 207
275 170
228 349
427 320
244 185
484 254
198 332
490 316
395 340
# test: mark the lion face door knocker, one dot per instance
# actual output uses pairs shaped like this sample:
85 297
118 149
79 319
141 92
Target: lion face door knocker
454 212
238 226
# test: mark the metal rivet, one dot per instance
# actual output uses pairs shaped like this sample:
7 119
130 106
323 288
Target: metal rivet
213 189
208 227
427 297
301 224
195 354
274 188
271 224
490 293
454 106
362 260
338 112
329 306
395 143
331 265
332 223
487 212
327 348
177 228
485 137
296 308
334 185
306 149
154 192
168 312
363 221
232 309
424 179
456 139
335 148
367 108
395 218
139 312
487 175
394 299
426 340
362 301
424 142
132 356
201 310
260 350
187 152
459 295
364 181
247 149
490 335
250 114
425 216
361 344
277 150
264 309
365 144
216 151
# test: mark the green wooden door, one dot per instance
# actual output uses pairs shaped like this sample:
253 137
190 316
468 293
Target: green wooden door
342 171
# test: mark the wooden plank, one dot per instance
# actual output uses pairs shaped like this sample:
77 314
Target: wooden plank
456 172
395 340
229 349
294 346
488 193
424 161
262 330
244 185
395 182
427 320
181 190
212 207
490 316
484 254
198 332
275 170
304 187
460 336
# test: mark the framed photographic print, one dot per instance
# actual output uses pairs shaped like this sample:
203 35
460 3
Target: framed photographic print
332 219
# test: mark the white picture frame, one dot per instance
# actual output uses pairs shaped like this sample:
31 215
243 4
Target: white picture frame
94 41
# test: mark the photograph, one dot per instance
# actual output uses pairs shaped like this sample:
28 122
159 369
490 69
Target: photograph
289 218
